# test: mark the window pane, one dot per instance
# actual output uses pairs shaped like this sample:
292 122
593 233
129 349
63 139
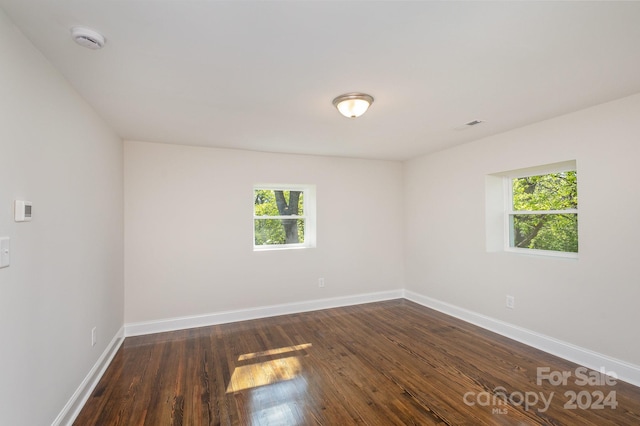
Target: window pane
557 232
268 202
277 231
554 191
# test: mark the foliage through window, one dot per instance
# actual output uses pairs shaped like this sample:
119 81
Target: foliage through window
281 217
544 212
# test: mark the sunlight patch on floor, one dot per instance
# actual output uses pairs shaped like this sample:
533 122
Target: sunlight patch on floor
274 351
267 372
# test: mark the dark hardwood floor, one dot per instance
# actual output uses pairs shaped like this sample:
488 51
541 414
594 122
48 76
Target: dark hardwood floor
387 363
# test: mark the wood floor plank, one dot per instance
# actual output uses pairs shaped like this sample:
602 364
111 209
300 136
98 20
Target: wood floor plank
386 363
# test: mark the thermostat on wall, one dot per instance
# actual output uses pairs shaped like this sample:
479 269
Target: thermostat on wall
23 211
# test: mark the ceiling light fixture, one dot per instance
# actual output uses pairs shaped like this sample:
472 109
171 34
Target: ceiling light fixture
353 105
87 38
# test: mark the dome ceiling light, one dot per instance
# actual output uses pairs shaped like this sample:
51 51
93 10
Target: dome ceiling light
353 105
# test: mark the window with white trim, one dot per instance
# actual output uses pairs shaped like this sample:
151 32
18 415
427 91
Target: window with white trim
542 211
533 210
283 216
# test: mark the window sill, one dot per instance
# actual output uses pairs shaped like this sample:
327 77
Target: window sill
542 253
281 247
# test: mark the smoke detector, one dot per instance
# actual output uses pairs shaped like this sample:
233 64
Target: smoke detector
87 38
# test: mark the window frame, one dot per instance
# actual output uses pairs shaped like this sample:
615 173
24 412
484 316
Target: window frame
309 216
509 211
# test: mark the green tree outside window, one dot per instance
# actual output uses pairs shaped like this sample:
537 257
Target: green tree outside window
278 217
544 212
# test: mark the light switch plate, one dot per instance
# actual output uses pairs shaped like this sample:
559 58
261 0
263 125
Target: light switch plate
5 252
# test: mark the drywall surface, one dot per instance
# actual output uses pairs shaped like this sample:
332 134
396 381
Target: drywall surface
189 230
66 272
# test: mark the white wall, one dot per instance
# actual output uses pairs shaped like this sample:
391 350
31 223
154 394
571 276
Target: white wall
188 234
66 272
591 302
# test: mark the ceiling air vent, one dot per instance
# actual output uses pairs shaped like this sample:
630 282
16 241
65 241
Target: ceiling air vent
473 123
87 38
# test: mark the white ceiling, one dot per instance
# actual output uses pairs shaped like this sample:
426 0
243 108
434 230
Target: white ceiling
261 75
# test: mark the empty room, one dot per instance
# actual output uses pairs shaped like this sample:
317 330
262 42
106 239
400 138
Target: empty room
319 212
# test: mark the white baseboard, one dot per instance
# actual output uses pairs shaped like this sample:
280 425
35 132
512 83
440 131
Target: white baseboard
81 395
171 324
625 371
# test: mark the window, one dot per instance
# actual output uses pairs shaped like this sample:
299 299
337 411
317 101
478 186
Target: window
533 210
283 216
542 213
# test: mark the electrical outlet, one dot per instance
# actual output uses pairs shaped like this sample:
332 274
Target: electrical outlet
511 302
94 340
321 282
